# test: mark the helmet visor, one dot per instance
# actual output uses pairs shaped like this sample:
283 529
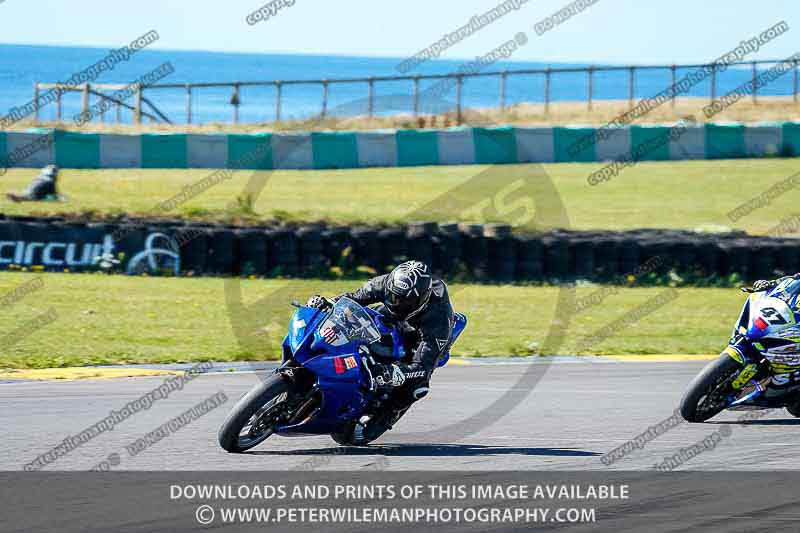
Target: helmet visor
402 305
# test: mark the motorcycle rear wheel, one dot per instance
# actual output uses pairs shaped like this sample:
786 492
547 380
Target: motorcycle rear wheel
694 405
257 412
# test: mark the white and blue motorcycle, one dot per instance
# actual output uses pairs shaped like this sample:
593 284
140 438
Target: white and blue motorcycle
760 368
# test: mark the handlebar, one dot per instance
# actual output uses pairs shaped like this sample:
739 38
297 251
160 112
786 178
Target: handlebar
328 302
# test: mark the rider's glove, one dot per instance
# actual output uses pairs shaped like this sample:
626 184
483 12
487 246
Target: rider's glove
317 302
762 285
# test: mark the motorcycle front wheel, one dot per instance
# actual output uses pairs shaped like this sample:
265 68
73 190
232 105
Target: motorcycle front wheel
253 419
708 390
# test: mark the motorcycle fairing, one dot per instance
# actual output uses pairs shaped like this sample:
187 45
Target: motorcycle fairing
344 387
779 341
770 320
304 322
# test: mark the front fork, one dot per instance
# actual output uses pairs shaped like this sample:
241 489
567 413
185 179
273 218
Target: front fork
754 366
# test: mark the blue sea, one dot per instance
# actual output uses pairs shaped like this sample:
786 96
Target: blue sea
21 66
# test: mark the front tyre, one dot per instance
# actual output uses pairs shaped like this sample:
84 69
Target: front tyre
253 419
708 390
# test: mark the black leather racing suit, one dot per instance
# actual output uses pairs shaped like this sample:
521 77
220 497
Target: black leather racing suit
427 334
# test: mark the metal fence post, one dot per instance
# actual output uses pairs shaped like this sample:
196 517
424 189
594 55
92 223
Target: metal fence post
416 96
324 98
459 83
371 102
235 101
589 86
137 111
794 92
547 90
631 89
36 101
713 82
188 104
85 100
119 114
674 69
755 89
58 104
503 77
278 87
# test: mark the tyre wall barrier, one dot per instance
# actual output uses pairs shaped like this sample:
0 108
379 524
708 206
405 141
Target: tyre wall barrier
490 252
311 257
453 146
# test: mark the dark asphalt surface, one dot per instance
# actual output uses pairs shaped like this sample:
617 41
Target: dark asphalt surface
576 413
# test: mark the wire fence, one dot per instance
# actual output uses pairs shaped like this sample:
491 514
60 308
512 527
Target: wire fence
268 101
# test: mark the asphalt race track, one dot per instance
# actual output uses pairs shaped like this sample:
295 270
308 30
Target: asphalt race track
577 412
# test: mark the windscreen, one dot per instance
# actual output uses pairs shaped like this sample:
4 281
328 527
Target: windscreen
353 321
786 289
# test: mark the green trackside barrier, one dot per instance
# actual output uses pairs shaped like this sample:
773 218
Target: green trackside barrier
565 138
495 145
3 150
417 148
251 151
654 141
77 150
334 149
724 141
491 145
163 150
790 132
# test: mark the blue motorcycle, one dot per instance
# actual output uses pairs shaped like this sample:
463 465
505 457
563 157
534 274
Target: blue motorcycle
324 385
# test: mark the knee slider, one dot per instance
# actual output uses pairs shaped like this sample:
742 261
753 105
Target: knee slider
420 392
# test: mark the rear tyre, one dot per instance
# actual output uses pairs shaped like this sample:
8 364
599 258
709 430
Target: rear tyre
253 419
707 391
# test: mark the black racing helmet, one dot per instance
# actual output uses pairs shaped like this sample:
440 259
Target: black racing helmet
408 289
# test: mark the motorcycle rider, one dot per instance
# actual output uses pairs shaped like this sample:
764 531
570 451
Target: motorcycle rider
419 304
740 345
43 187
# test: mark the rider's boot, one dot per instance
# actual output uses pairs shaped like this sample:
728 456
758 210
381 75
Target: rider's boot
381 423
408 383
396 407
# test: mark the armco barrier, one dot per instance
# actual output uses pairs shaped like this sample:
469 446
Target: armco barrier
454 146
488 252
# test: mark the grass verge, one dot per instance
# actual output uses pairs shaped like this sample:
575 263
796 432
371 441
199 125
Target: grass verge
671 194
103 319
